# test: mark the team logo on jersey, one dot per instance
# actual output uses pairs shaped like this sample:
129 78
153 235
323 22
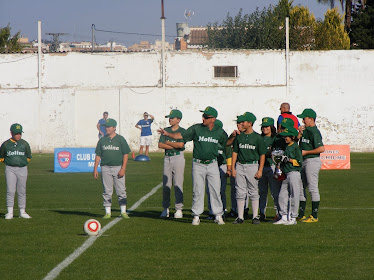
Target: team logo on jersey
64 159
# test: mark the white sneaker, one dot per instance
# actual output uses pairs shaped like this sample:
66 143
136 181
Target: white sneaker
291 222
218 220
25 216
165 213
8 216
281 222
195 221
178 214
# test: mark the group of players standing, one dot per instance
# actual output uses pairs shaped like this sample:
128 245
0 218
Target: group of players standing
245 157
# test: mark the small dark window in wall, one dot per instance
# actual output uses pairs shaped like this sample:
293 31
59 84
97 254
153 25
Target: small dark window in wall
225 71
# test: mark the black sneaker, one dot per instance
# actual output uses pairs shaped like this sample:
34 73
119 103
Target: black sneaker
256 220
262 217
233 214
238 221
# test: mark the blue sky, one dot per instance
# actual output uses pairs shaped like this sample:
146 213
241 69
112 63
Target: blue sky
135 16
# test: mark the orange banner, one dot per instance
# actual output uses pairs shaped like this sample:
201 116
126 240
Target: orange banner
336 157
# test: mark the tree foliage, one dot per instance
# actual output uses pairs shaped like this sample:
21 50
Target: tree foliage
330 33
362 28
7 42
265 29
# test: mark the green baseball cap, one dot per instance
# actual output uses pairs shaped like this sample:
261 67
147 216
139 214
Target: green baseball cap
239 119
16 128
308 113
174 114
287 123
218 123
110 122
289 131
267 121
248 116
210 111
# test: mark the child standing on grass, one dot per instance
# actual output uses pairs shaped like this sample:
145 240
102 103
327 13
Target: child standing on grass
248 159
290 190
16 154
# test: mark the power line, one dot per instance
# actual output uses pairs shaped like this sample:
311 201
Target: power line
130 33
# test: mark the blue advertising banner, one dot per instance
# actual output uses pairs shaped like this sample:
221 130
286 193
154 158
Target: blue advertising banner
75 160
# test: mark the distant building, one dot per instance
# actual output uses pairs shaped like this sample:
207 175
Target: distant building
142 46
197 38
158 46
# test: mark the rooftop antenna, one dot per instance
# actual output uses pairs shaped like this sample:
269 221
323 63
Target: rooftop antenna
56 42
188 14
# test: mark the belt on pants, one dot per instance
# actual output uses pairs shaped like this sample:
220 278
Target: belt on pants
204 161
249 162
170 154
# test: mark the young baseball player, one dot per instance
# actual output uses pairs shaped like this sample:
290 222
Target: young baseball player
174 163
290 189
267 180
206 137
101 125
248 159
234 212
113 152
146 133
311 146
16 154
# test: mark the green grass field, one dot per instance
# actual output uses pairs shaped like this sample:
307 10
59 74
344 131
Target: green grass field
339 246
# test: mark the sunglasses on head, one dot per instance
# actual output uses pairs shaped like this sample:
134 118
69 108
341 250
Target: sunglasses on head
205 116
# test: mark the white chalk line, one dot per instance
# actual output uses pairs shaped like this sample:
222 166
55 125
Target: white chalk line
65 263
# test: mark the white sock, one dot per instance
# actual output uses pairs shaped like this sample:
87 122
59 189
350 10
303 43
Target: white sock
123 209
285 217
255 206
240 204
10 210
108 210
22 211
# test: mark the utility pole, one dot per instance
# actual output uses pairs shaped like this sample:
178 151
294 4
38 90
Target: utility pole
93 37
163 43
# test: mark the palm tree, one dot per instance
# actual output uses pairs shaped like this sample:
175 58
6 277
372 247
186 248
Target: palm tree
348 10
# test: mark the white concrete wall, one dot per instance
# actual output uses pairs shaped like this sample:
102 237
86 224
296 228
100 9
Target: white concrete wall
78 87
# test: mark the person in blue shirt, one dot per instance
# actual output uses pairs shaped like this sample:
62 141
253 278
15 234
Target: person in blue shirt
146 133
101 125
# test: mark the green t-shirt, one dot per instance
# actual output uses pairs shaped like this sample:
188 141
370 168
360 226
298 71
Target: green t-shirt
164 138
268 141
15 153
223 154
205 141
249 147
293 152
311 140
112 151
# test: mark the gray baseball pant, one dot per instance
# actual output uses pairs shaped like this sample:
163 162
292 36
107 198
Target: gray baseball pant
289 194
202 174
267 181
109 177
246 184
309 176
173 175
223 178
16 178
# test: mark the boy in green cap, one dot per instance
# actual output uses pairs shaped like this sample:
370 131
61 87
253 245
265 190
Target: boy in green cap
113 151
248 159
267 180
174 163
16 154
290 188
312 146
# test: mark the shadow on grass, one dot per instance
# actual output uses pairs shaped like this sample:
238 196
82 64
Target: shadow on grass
79 213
